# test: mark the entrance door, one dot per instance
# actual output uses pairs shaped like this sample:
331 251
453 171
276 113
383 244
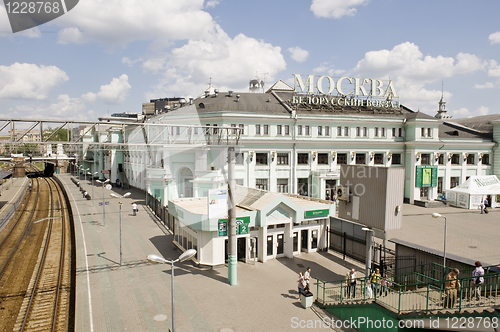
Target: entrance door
314 239
275 245
424 193
331 189
295 241
304 240
241 248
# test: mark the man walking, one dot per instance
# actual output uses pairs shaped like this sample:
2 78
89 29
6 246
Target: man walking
307 277
134 209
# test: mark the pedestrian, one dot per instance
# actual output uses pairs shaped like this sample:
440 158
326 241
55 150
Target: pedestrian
134 209
384 282
481 206
301 283
478 280
307 278
351 283
374 279
84 194
451 288
485 204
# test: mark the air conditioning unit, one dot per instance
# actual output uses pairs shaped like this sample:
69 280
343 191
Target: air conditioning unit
343 193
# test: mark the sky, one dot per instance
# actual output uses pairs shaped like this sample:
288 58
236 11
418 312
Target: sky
110 56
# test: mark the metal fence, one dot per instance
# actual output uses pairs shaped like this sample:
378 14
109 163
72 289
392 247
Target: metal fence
423 293
160 211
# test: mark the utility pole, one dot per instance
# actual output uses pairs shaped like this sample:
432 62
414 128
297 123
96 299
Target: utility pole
231 206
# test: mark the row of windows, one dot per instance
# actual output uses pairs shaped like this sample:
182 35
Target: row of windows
262 158
454 158
325 130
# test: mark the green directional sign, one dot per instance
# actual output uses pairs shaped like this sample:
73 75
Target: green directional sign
239 220
242 229
241 226
317 213
426 176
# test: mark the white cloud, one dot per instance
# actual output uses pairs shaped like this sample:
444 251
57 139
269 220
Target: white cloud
129 62
494 38
212 3
327 68
411 71
487 85
29 81
115 92
337 8
466 113
71 35
231 61
89 97
494 69
298 54
118 22
66 108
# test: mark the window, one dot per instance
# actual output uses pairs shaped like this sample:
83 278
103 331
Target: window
360 158
306 130
441 159
425 159
266 129
346 131
339 131
320 131
422 132
376 131
282 185
327 130
242 128
342 158
261 158
365 132
299 130
215 130
261 184
400 132
440 185
455 159
393 132
396 158
471 159
486 159
454 181
257 129
302 158
287 130
378 159
358 131
278 129
382 132
233 125
239 182
429 132
239 158
282 159
322 158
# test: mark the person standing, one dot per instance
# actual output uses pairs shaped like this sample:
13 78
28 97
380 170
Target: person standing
451 288
481 206
351 283
374 279
301 283
478 280
307 278
134 209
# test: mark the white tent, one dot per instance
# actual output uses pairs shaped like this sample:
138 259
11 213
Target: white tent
469 194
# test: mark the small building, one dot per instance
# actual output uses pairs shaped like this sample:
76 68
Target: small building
270 225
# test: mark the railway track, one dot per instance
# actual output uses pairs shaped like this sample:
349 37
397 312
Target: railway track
36 273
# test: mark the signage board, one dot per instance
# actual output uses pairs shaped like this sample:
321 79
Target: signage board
426 176
316 213
217 203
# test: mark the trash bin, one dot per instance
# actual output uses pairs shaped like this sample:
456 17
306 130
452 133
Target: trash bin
306 299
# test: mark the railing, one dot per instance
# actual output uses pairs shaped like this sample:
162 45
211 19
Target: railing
424 295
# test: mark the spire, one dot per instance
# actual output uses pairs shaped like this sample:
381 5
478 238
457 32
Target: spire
442 113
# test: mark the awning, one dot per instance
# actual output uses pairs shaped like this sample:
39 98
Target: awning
5 174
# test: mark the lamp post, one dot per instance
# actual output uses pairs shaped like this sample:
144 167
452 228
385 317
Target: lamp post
121 203
369 242
437 215
92 174
103 206
183 257
85 171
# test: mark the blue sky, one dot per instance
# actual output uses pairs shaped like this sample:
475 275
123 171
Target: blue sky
108 56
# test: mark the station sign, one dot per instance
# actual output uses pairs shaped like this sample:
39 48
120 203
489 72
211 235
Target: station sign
317 213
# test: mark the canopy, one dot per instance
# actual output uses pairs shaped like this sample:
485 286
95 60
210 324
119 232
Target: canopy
481 185
5 174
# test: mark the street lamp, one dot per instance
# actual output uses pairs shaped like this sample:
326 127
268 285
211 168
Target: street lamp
92 174
85 171
437 215
120 196
183 257
103 208
368 250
